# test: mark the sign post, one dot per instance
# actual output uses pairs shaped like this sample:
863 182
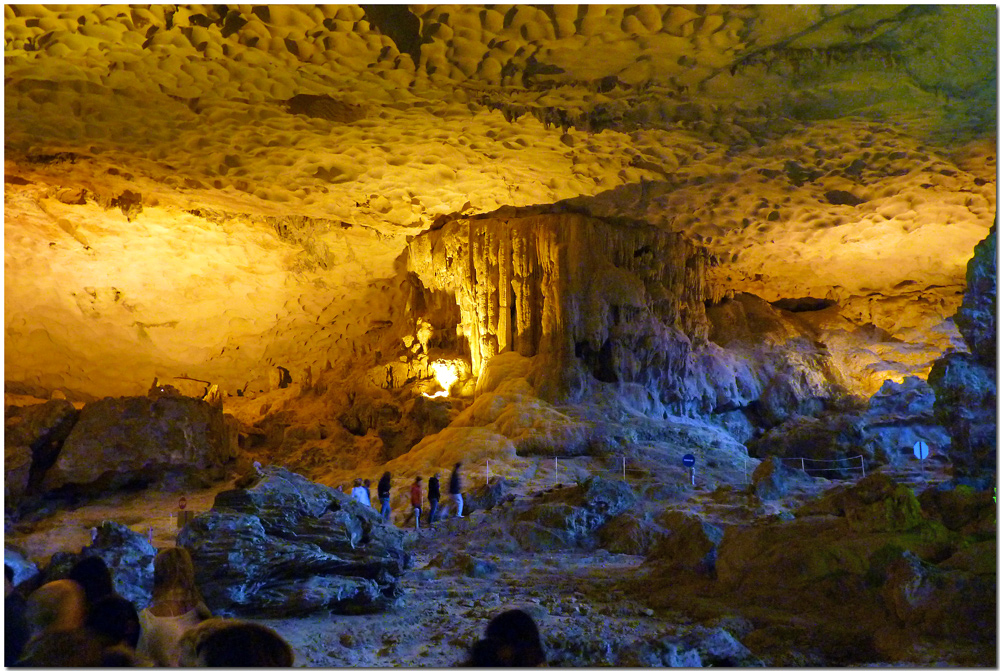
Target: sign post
920 451
183 516
688 461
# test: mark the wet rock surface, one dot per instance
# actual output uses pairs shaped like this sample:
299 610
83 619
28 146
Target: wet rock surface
285 546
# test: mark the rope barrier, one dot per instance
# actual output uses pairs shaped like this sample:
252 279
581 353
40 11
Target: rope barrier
856 456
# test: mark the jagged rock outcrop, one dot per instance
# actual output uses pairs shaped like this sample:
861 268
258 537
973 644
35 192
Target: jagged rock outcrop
33 437
23 568
127 553
117 441
286 546
691 545
940 602
772 479
631 533
827 445
965 383
570 517
899 415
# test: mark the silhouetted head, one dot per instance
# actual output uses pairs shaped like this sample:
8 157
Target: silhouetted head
244 644
116 620
94 577
518 642
68 648
458 465
357 482
56 606
368 483
173 570
418 479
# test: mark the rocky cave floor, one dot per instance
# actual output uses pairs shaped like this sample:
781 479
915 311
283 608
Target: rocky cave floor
594 608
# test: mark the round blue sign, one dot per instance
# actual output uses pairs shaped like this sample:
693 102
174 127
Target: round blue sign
920 450
688 460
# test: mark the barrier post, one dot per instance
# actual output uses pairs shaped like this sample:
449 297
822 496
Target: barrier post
623 468
862 466
746 480
557 471
487 471
803 464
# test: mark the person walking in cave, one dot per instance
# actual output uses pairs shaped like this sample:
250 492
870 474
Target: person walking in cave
433 495
384 486
360 493
455 490
415 501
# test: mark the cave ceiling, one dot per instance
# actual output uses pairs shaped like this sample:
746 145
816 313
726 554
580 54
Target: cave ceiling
210 191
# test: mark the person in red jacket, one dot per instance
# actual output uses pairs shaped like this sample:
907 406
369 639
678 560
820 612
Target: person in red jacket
415 500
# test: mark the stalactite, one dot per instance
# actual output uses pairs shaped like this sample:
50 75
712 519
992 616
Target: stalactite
545 283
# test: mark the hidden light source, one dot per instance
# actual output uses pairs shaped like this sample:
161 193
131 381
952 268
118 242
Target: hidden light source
445 372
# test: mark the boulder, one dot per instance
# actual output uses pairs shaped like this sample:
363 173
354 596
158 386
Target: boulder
24 569
960 508
122 441
691 545
773 479
287 546
828 443
630 534
17 471
876 503
488 497
667 652
463 563
127 553
33 437
946 603
717 647
532 537
574 514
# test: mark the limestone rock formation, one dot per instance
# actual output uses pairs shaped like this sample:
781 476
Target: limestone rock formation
965 384
773 479
288 546
463 563
977 317
626 301
631 533
117 441
33 437
899 415
691 545
569 517
827 445
941 602
23 568
127 553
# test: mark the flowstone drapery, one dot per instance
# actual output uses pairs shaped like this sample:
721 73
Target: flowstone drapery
623 299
